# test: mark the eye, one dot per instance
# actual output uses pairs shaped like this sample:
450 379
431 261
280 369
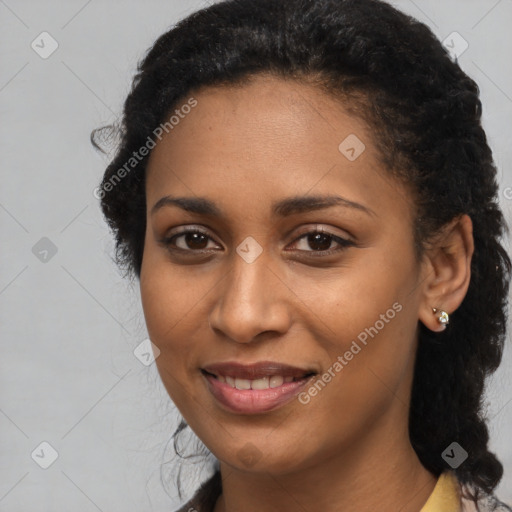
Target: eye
322 243
318 242
190 239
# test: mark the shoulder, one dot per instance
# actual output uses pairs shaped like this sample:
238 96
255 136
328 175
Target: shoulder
450 494
206 496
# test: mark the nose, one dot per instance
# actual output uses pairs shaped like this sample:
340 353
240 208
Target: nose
251 300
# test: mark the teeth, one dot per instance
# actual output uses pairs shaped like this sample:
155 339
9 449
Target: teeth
260 383
263 383
242 384
276 381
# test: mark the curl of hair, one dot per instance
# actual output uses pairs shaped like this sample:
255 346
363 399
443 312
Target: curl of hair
425 113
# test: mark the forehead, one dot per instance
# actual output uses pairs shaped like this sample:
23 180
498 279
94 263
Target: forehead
267 139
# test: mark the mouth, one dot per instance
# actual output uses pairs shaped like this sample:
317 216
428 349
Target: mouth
264 382
256 388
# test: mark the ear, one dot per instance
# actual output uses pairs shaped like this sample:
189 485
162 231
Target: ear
446 271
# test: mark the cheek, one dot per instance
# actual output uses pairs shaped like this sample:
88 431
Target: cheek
368 372
361 299
169 296
371 313
174 301
169 313
168 305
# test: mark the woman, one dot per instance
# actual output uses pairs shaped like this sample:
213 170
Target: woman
306 194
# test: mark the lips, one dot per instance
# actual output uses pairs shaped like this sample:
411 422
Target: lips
255 388
257 371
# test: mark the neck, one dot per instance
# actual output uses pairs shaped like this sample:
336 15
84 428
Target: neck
371 475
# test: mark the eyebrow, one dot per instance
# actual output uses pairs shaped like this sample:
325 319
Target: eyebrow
284 208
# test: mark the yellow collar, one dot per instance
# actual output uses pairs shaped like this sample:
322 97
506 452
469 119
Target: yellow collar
445 496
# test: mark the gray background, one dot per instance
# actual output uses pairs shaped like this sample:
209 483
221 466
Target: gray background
69 321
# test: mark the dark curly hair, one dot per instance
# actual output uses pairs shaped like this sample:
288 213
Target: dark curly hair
425 112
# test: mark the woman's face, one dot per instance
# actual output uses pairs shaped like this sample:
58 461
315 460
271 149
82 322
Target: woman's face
289 245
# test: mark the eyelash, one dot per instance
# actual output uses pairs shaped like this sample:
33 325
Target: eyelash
343 243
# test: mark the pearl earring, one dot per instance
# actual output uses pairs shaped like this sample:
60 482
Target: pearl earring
442 316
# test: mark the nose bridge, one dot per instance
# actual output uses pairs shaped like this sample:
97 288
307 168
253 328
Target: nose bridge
249 301
246 284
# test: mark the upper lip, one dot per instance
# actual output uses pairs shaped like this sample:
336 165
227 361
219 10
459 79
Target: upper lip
256 370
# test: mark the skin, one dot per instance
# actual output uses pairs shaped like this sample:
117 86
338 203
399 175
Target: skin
245 148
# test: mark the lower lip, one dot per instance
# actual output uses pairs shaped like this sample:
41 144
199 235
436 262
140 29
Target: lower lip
253 401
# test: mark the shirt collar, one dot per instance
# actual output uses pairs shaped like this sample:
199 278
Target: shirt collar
445 497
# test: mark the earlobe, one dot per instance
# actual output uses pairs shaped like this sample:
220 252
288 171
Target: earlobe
436 320
443 318
448 269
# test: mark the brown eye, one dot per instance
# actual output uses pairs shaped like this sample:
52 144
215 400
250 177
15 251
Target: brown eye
195 240
191 240
320 243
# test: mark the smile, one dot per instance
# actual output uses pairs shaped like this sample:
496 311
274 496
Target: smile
264 383
272 385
